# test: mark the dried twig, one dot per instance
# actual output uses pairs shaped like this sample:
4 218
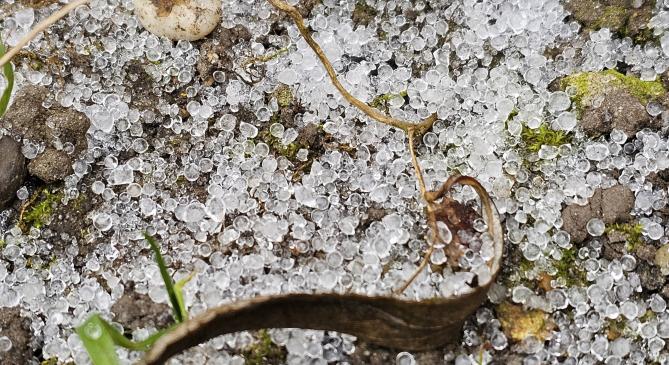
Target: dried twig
384 320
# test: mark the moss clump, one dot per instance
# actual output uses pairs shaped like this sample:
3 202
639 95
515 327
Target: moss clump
615 328
519 323
381 101
284 96
632 231
569 270
588 85
614 17
39 210
43 265
535 138
288 151
264 351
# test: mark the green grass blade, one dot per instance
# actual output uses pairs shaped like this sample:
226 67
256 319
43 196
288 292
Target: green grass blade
177 309
121 340
9 75
98 342
178 289
101 338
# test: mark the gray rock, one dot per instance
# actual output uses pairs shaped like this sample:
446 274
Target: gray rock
12 169
619 110
617 203
51 165
612 205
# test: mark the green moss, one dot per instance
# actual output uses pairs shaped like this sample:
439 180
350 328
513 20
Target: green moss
569 269
513 113
45 265
2 244
588 85
381 101
289 151
50 361
264 351
615 328
37 215
633 231
525 265
284 96
614 18
535 138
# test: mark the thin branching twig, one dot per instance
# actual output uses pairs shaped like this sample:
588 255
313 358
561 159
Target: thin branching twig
294 14
412 130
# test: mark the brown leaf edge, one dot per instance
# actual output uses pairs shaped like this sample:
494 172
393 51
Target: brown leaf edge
384 320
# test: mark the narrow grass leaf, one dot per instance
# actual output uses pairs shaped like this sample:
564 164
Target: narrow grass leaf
98 341
9 75
169 285
121 340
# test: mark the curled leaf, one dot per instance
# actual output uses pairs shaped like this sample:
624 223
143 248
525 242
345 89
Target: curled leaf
384 320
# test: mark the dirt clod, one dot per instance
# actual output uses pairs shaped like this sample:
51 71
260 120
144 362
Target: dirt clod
17 329
51 165
612 205
619 110
651 277
28 120
216 53
134 310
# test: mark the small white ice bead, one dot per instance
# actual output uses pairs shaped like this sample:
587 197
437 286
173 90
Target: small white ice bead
405 358
595 227
5 344
188 20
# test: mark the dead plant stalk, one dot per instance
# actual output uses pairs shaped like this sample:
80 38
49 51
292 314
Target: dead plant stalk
412 130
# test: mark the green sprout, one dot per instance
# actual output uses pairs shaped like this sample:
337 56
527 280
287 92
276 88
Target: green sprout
535 138
569 269
39 214
9 75
100 338
632 231
381 101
